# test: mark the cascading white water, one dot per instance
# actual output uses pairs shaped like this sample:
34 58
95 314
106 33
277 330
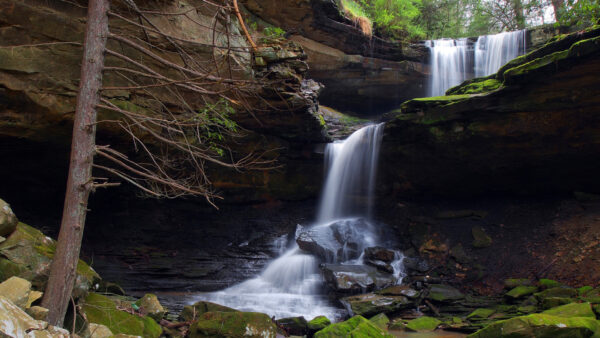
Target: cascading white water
454 61
292 285
494 51
449 64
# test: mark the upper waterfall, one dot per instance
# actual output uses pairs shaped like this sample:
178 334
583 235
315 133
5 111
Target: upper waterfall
454 61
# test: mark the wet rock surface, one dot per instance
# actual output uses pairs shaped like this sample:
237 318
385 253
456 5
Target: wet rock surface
355 278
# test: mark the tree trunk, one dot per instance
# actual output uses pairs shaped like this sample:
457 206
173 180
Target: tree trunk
558 6
79 184
517 6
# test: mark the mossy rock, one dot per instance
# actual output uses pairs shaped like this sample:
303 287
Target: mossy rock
540 326
512 283
584 289
548 283
476 86
527 309
296 326
193 312
557 292
355 327
423 324
572 310
233 324
592 296
150 306
102 310
480 238
481 313
371 304
318 323
521 291
444 293
381 321
8 220
552 302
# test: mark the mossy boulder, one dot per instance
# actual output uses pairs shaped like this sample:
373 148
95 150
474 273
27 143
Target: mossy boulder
233 324
556 292
8 220
552 302
584 290
481 313
16 290
102 310
354 327
296 326
150 306
548 283
29 253
371 304
444 293
540 326
512 283
572 310
318 323
193 312
480 238
381 321
423 324
521 291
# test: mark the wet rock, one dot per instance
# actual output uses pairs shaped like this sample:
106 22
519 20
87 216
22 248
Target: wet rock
415 264
423 324
336 242
480 238
8 220
100 309
150 306
371 304
233 324
399 290
380 265
380 254
356 326
540 325
381 321
444 293
99 331
318 323
355 278
192 312
296 326
521 291
16 290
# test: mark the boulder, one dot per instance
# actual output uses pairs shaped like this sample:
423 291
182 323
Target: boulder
399 290
14 322
102 310
380 254
355 278
318 323
444 293
150 306
481 313
548 283
193 312
423 324
296 326
371 304
572 310
8 220
415 264
540 325
99 331
521 291
335 242
480 238
356 326
512 283
38 312
381 321
233 324
557 292
16 290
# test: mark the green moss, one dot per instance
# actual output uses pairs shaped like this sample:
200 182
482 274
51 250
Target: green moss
233 324
354 327
100 309
584 289
322 120
512 283
193 312
423 324
548 283
540 325
552 302
444 293
527 309
381 321
572 310
477 86
511 74
557 292
521 291
9 269
584 47
318 323
481 313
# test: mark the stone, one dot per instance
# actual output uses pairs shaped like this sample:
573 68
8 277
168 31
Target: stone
99 331
557 292
423 324
193 312
540 325
381 321
548 283
481 313
33 297
371 304
233 324
552 302
582 291
150 306
14 322
100 309
480 238
380 254
512 283
38 312
572 310
521 291
355 278
415 264
458 253
356 326
444 293
399 290
16 290
294 325
334 242
8 220
318 323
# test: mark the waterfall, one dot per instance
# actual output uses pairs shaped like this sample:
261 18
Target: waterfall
292 284
454 61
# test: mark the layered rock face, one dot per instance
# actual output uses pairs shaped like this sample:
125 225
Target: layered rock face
533 127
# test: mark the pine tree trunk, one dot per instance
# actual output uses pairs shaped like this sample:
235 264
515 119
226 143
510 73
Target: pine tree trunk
79 184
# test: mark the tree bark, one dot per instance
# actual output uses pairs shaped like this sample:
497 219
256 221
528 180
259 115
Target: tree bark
517 6
558 6
79 184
